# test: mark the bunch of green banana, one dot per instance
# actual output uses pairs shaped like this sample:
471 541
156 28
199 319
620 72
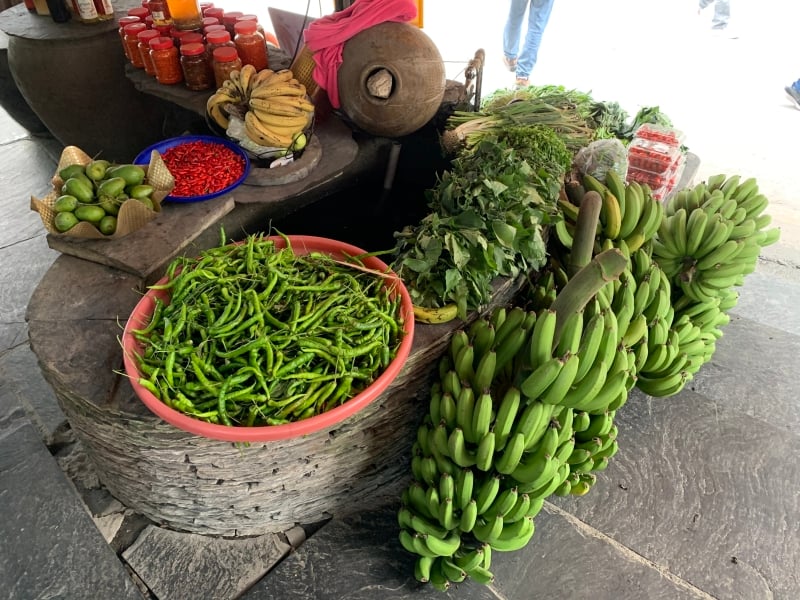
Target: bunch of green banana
712 235
629 213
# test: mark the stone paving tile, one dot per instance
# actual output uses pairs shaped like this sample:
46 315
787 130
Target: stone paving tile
764 294
49 546
24 264
568 559
22 386
360 558
758 382
182 566
705 491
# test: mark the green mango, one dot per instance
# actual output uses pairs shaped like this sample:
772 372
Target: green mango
71 171
65 221
107 225
90 212
140 191
96 170
65 203
132 174
111 188
79 188
111 205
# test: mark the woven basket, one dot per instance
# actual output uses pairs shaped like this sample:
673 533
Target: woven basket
303 69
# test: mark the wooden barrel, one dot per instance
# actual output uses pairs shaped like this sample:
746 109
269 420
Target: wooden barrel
392 79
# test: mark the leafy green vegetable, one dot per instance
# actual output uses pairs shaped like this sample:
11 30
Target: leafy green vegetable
486 218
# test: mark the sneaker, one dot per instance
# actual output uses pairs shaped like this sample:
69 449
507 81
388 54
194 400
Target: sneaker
522 82
510 63
794 95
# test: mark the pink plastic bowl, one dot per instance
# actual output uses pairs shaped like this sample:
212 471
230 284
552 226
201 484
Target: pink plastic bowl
301 245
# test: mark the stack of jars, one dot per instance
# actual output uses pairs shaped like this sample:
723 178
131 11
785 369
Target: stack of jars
178 41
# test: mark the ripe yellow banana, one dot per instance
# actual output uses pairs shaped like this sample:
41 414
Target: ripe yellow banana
231 88
442 314
262 135
290 104
296 123
246 75
279 89
277 108
260 78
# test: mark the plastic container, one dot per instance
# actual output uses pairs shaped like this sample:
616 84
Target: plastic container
166 62
648 155
659 133
144 38
301 245
132 43
124 21
185 14
223 61
251 45
197 72
212 28
139 11
218 39
229 20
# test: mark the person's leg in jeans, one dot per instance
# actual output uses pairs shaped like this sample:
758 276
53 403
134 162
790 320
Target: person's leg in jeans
538 16
512 31
722 14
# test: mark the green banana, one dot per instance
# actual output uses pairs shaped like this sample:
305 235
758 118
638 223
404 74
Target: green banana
487 492
484 455
506 416
556 391
541 341
458 449
464 484
511 455
485 371
482 415
514 536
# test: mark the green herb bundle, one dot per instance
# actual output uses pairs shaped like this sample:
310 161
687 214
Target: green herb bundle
486 218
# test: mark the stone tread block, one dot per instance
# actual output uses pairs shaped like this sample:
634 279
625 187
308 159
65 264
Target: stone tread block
760 382
184 566
705 490
49 546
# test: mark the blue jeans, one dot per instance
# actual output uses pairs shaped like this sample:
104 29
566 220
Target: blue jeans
722 12
538 15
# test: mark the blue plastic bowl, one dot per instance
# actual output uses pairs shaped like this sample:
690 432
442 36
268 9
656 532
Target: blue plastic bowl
143 158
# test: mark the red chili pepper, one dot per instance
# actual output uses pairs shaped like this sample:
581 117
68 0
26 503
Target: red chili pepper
201 167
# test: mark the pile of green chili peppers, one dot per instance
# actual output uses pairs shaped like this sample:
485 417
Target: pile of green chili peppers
255 335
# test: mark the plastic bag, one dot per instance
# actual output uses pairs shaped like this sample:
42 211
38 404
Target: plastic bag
600 156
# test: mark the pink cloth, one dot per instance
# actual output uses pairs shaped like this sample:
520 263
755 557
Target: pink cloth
326 36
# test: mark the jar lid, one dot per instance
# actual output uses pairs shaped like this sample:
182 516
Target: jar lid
214 12
134 28
147 34
192 37
192 49
140 12
225 54
161 43
245 27
210 21
213 28
128 20
218 37
230 17
247 18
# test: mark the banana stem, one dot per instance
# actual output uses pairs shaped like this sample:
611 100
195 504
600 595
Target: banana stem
585 231
606 266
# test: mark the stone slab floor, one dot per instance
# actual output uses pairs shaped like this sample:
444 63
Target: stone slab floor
701 502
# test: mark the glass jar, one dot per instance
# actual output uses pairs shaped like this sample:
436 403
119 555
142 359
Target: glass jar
139 11
208 29
251 45
85 11
166 62
218 39
214 12
185 14
144 38
132 43
254 19
229 20
224 60
197 72
160 12
105 11
123 21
